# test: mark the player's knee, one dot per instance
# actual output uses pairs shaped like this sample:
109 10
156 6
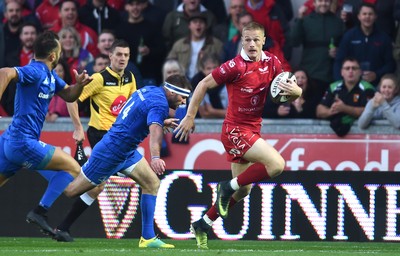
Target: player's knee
95 192
74 169
70 192
277 167
151 186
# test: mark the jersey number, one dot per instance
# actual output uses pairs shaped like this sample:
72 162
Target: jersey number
125 110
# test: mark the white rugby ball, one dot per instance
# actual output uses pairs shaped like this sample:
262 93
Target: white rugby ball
274 90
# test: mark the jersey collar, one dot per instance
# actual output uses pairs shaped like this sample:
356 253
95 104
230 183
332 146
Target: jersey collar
246 58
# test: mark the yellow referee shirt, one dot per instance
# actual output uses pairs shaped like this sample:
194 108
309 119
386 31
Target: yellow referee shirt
108 93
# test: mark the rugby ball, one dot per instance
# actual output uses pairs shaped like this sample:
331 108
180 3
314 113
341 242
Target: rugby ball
274 90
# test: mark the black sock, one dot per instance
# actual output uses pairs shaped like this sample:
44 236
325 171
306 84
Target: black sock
77 209
40 210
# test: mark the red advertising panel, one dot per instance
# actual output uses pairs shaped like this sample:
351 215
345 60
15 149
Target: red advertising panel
326 152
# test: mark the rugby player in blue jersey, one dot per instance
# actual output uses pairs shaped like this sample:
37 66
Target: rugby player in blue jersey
145 113
20 146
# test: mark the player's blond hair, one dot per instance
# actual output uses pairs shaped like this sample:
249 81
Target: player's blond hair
254 26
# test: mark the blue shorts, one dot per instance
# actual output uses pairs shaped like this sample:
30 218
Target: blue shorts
104 162
29 153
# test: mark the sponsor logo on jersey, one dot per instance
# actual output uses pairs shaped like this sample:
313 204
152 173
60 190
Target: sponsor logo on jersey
248 73
111 83
222 70
247 90
117 105
263 70
46 81
44 96
255 100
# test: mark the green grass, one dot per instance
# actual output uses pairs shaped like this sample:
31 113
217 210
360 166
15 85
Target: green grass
129 247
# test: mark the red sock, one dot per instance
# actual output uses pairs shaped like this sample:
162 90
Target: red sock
255 173
212 212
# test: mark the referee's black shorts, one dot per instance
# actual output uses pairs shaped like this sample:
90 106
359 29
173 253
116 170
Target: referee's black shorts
94 135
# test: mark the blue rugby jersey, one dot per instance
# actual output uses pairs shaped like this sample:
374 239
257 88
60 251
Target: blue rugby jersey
146 106
36 86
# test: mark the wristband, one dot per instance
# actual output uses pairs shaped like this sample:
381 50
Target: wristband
155 157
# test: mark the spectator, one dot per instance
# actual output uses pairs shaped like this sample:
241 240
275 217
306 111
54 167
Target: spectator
116 4
347 10
147 50
217 7
176 25
384 105
27 36
303 107
216 100
57 106
101 61
189 50
345 99
287 8
172 67
47 13
234 46
153 13
167 6
68 16
270 15
370 46
26 12
12 43
229 28
318 33
72 52
98 15
105 40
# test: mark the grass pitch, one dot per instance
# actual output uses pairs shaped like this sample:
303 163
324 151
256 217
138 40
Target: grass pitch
110 247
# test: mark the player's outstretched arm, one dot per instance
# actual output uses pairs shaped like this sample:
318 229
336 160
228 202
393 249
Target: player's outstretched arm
71 93
6 76
73 110
187 124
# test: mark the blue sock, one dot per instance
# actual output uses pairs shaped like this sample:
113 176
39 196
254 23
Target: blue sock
148 206
58 181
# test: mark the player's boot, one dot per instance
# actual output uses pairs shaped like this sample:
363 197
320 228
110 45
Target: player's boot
62 236
41 221
224 193
200 230
154 243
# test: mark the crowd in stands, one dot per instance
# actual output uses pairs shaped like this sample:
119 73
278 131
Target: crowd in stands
349 66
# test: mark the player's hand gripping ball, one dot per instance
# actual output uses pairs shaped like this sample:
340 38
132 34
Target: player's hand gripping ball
275 91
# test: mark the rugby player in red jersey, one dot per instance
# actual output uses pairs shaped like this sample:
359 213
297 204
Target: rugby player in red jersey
247 78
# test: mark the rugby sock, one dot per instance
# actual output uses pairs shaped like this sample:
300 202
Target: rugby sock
212 213
57 184
148 206
255 173
80 205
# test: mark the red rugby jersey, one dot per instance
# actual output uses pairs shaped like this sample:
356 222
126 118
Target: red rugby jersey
247 83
